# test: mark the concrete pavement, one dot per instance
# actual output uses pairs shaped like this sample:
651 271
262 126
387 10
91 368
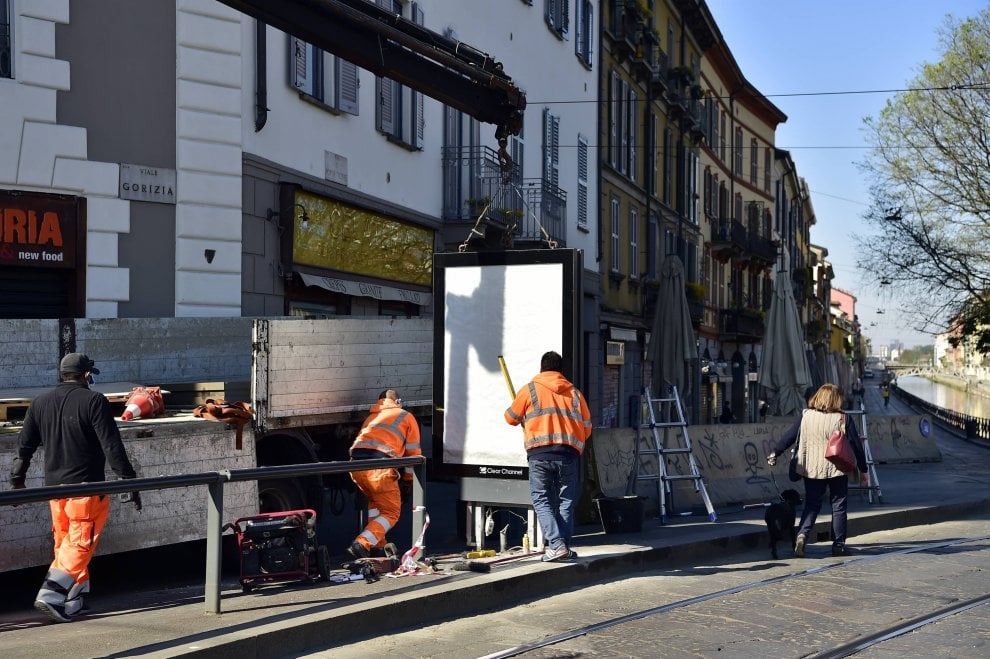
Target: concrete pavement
288 620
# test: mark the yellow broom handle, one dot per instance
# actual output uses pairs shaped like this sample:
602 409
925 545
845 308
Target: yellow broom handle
505 373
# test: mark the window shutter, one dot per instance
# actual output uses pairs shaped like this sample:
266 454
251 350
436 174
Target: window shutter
298 68
579 34
551 147
347 86
633 125
563 16
582 163
385 114
589 33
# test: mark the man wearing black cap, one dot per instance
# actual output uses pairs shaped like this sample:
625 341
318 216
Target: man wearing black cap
79 434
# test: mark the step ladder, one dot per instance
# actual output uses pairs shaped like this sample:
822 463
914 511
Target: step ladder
872 482
666 423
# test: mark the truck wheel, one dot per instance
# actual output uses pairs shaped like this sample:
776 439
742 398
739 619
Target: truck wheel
323 561
278 495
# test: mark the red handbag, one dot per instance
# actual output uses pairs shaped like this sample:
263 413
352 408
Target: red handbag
839 451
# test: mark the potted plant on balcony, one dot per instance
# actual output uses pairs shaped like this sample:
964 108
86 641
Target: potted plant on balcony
476 205
694 291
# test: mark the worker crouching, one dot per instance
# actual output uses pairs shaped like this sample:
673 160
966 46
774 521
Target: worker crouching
388 432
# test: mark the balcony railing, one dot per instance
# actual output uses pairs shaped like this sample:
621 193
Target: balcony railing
473 184
472 179
728 238
545 206
741 325
762 251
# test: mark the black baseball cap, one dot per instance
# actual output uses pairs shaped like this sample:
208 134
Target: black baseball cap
76 362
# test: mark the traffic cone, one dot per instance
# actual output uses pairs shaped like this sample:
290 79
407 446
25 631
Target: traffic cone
143 402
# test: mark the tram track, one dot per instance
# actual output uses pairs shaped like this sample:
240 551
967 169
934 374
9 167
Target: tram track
846 649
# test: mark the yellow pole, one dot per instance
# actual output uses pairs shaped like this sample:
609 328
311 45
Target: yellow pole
505 373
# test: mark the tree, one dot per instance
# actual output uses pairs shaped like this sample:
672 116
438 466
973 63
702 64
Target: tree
929 170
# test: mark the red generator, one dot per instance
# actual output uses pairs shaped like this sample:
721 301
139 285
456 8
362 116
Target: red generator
279 547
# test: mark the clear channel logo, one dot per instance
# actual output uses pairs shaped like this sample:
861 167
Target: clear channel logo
500 471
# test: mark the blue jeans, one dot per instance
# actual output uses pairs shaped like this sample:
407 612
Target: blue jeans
814 492
555 486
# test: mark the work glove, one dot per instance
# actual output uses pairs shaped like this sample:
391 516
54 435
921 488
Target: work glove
132 497
17 474
772 459
405 490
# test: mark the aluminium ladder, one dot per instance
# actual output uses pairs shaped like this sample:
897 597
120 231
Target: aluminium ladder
666 416
872 482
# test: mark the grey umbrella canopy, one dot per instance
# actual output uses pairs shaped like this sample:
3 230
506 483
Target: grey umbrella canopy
672 341
784 373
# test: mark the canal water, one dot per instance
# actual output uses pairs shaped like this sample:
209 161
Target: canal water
946 397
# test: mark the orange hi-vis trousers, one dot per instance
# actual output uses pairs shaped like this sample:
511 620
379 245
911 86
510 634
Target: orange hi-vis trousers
381 486
76 524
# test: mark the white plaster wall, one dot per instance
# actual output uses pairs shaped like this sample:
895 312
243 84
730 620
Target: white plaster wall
297 133
208 159
37 154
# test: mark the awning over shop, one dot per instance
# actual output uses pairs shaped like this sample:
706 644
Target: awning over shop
367 289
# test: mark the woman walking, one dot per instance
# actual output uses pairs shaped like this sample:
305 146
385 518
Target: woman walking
823 416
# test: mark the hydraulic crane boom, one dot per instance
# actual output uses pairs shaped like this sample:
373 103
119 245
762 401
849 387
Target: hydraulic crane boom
394 47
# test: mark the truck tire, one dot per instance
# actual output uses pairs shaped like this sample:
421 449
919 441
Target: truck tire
279 494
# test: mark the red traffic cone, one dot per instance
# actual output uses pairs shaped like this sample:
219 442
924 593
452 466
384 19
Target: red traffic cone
143 402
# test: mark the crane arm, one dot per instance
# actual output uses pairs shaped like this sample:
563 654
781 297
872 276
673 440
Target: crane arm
388 45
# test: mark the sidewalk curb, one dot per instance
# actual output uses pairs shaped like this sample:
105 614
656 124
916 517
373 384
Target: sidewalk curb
300 634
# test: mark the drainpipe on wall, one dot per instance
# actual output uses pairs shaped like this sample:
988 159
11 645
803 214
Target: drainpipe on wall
260 76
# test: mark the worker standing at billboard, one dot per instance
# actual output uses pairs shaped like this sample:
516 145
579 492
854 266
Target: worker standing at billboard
557 423
388 432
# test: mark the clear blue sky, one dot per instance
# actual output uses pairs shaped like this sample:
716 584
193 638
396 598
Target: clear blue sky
805 46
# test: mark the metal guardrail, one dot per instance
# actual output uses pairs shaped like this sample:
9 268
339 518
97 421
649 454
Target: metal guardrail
972 426
214 480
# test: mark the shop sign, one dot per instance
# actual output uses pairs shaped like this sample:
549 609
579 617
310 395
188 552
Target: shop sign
38 229
144 183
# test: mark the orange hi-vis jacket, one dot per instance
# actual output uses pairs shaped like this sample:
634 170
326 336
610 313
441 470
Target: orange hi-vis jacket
392 431
552 411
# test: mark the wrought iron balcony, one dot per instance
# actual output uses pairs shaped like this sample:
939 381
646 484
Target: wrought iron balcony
658 75
473 185
728 239
741 325
544 209
761 252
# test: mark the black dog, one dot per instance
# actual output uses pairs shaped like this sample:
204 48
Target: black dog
779 517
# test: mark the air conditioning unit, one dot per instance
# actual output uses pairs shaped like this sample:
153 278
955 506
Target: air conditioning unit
615 352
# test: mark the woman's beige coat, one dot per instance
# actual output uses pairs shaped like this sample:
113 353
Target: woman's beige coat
812 440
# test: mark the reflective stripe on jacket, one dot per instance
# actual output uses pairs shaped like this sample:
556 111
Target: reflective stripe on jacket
552 412
390 430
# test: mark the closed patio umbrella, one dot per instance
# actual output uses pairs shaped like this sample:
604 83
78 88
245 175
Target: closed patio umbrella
784 373
672 343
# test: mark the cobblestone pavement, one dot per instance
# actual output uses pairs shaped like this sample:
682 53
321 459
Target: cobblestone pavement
791 618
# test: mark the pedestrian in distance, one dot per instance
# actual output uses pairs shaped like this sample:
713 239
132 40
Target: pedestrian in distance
388 432
727 415
556 424
824 415
885 392
79 435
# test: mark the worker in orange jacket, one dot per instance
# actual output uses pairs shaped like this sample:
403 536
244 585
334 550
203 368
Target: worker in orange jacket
388 432
556 422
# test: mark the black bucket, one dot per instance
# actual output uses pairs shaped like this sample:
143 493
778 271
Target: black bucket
621 514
